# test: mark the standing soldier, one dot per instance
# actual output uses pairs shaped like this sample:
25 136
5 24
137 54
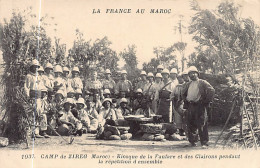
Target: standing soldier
66 73
59 83
94 86
165 104
32 88
108 82
197 95
149 92
158 84
75 82
124 85
141 84
159 69
173 76
185 76
48 78
178 110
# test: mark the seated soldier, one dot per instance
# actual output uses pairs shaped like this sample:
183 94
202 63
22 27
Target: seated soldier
78 94
122 110
106 93
106 114
83 115
93 117
139 105
97 102
69 124
70 93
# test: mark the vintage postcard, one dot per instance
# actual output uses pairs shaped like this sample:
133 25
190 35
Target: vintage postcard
129 83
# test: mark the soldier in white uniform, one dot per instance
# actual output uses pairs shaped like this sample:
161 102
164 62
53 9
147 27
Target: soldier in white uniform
59 83
48 78
108 82
141 84
66 73
159 69
32 88
75 82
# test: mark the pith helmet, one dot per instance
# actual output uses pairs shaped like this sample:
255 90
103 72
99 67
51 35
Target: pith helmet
40 69
58 68
173 70
75 69
150 74
66 69
35 63
139 90
49 65
143 73
185 72
123 100
158 75
165 71
193 69
81 101
106 99
159 67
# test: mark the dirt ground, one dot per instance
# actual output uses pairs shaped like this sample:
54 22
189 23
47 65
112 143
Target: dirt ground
88 143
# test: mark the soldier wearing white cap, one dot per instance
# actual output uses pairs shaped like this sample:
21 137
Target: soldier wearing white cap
141 84
150 91
165 104
159 69
32 88
106 93
48 78
158 84
106 113
75 82
68 122
93 116
139 104
124 85
185 76
197 95
59 83
82 114
178 111
93 85
65 76
122 110
108 82
173 75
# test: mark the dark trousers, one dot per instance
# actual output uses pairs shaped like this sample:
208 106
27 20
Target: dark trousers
197 123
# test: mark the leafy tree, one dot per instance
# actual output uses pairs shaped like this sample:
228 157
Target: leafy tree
234 40
164 56
87 56
19 46
129 56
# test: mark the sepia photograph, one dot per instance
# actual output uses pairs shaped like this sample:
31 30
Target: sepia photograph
129 83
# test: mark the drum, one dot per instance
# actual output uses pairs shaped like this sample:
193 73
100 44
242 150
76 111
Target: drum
164 94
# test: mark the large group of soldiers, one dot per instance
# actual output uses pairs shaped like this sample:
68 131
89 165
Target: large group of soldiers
66 104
